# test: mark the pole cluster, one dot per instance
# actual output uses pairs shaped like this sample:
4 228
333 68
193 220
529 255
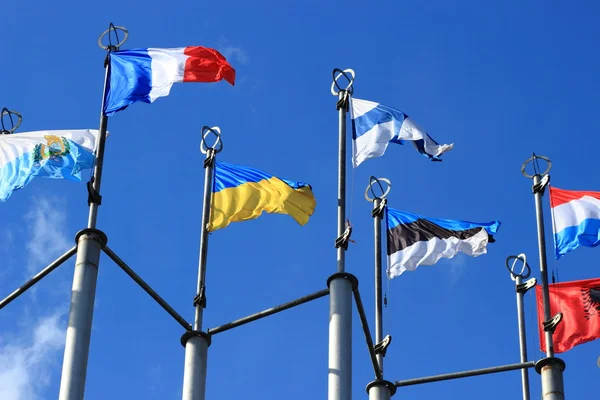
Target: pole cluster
342 286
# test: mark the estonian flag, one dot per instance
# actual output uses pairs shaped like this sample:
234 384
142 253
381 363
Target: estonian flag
375 125
414 240
242 193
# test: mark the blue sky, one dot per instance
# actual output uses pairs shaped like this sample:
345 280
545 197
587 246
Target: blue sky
500 81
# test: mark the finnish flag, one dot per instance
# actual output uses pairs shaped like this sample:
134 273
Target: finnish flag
375 125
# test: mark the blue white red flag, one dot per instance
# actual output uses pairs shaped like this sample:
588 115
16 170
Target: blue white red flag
146 74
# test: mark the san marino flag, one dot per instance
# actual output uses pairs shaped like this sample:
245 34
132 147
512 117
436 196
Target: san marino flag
49 154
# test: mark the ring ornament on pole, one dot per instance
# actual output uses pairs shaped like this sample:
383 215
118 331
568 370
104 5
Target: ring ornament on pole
384 193
525 270
217 147
10 113
534 160
350 79
114 29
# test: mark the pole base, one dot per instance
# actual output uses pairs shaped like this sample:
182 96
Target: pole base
189 334
353 280
548 361
382 382
88 231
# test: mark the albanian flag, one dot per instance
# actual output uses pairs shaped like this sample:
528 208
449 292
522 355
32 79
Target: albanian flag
579 301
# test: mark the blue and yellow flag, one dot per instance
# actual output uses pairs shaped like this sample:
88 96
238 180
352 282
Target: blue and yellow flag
242 193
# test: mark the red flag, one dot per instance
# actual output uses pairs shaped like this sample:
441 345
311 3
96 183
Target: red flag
579 302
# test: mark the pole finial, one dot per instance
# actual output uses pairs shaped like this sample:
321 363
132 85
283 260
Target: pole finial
383 194
13 127
217 146
536 168
525 270
110 46
349 88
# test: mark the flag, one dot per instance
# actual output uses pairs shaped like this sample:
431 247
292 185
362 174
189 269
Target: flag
146 74
375 125
579 302
242 193
575 219
414 240
49 154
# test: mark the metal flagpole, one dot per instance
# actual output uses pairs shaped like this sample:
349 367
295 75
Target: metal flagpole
550 368
341 284
90 242
521 288
195 341
379 389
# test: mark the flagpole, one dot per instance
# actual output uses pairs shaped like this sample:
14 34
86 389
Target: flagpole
90 242
196 341
379 389
550 368
521 288
341 284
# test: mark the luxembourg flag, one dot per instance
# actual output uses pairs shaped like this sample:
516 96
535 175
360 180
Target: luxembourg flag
146 74
49 154
375 125
575 219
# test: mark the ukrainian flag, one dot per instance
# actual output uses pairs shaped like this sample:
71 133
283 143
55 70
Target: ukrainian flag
242 193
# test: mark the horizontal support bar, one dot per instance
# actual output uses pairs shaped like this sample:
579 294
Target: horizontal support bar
365 326
267 312
38 277
465 374
147 289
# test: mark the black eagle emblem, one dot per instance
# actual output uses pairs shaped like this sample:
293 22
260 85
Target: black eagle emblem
591 301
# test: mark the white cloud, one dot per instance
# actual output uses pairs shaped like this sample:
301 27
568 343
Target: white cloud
26 361
46 223
6 241
457 268
237 53
231 52
30 353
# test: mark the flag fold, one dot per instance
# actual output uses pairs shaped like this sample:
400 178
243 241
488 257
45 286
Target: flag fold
414 240
375 125
242 193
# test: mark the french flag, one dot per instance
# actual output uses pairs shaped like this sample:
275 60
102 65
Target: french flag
575 218
146 74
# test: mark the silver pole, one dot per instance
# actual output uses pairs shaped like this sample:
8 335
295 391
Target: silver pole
268 312
522 337
539 214
38 277
341 208
464 374
90 242
378 294
550 368
340 298
379 389
196 342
